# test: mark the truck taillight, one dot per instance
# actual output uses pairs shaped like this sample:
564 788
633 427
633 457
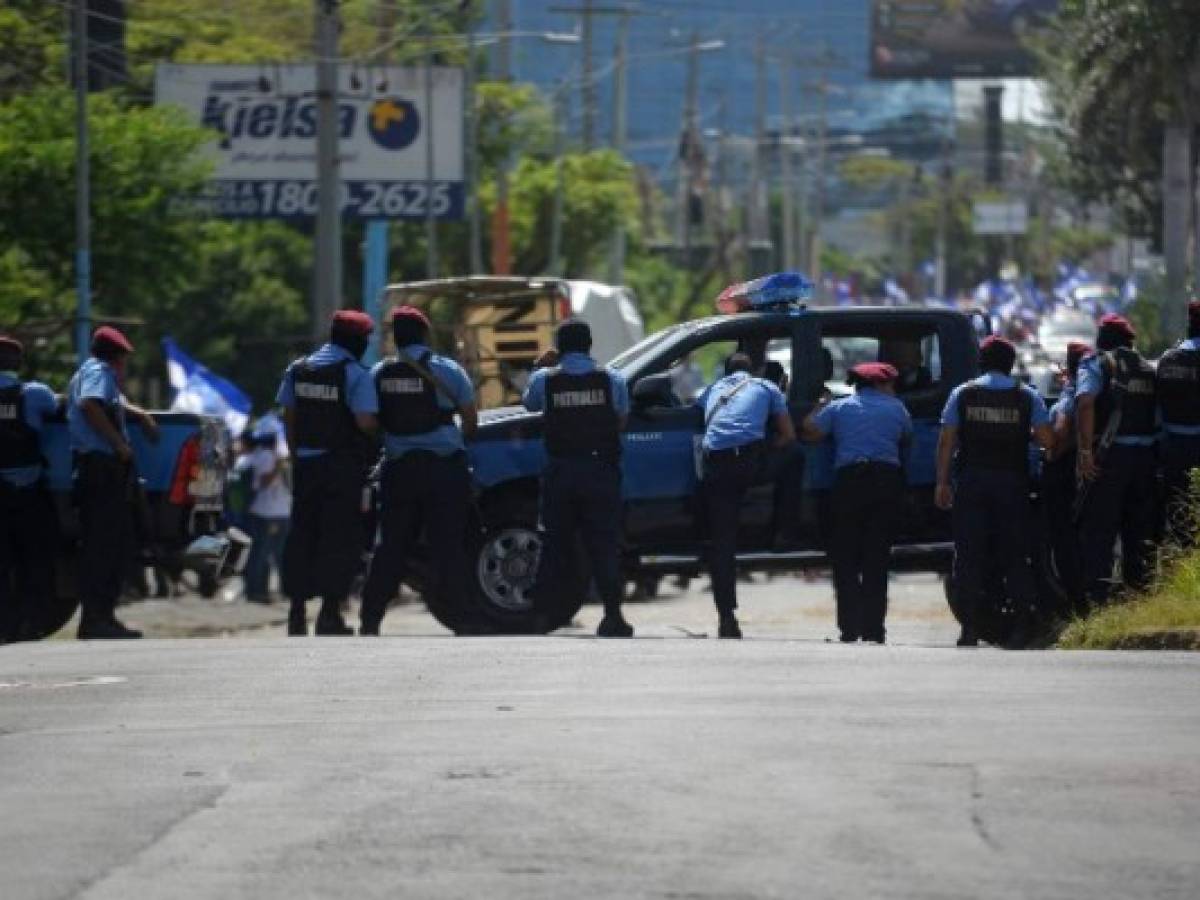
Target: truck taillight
187 469
564 308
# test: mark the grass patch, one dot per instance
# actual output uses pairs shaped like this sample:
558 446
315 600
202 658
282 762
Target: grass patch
1165 617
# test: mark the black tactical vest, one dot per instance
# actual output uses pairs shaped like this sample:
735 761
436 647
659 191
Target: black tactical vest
993 429
1140 406
580 419
408 403
19 446
1179 387
323 420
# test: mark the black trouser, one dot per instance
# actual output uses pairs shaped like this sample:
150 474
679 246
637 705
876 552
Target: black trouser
421 491
581 503
1058 501
325 541
106 493
728 474
867 499
991 541
28 541
1181 454
1122 502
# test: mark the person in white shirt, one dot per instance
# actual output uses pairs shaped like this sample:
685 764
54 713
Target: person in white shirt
269 512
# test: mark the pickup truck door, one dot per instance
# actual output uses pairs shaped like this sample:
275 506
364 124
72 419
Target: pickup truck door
937 362
663 509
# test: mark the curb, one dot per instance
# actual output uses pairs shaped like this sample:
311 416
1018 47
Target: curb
1175 639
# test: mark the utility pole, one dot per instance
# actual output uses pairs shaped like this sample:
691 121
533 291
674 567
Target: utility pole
819 199
328 280
758 223
560 149
476 226
785 163
945 184
83 188
431 235
587 11
616 268
689 150
501 242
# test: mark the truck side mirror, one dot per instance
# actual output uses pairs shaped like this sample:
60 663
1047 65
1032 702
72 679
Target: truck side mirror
654 391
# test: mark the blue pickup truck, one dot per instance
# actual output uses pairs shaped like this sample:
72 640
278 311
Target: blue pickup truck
784 519
178 518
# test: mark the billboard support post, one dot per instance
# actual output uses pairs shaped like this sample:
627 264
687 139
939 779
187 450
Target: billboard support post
328 251
375 258
431 235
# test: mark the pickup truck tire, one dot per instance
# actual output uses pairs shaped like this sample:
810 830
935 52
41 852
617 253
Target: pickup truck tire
503 556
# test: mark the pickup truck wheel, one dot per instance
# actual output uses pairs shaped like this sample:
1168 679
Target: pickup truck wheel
504 557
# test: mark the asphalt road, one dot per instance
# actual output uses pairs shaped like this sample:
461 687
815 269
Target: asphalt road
571 767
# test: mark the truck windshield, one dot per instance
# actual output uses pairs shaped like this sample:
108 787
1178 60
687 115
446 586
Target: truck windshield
630 359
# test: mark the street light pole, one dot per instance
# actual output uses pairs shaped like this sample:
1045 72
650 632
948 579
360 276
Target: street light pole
616 269
328 279
83 236
785 164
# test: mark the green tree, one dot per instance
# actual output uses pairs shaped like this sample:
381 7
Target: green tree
1125 79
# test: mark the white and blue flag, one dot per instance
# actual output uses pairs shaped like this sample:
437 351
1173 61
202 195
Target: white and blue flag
197 390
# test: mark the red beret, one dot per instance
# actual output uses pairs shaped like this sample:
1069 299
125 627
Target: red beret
996 341
409 312
1113 322
353 321
873 373
11 344
107 336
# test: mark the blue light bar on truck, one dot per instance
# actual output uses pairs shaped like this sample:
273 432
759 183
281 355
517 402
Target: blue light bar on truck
776 291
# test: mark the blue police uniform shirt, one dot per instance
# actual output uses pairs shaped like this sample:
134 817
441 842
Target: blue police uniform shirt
95 380
1091 382
867 426
40 404
445 440
994 381
534 398
360 388
743 418
1065 404
1184 430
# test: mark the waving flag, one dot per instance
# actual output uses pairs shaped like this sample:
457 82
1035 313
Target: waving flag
198 390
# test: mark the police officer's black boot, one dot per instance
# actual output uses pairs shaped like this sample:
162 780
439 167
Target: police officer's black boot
105 629
613 625
968 637
729 627
298 619
330 622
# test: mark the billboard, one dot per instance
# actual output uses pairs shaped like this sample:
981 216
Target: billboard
954 38
264 143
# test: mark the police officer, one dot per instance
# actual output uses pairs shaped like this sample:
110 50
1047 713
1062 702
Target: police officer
987 423
869 431
1117 399
426 485
330 411
737 410
106 480
1058 483
585 408
28 530
1179 402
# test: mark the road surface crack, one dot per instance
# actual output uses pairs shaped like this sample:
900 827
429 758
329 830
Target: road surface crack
209 801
